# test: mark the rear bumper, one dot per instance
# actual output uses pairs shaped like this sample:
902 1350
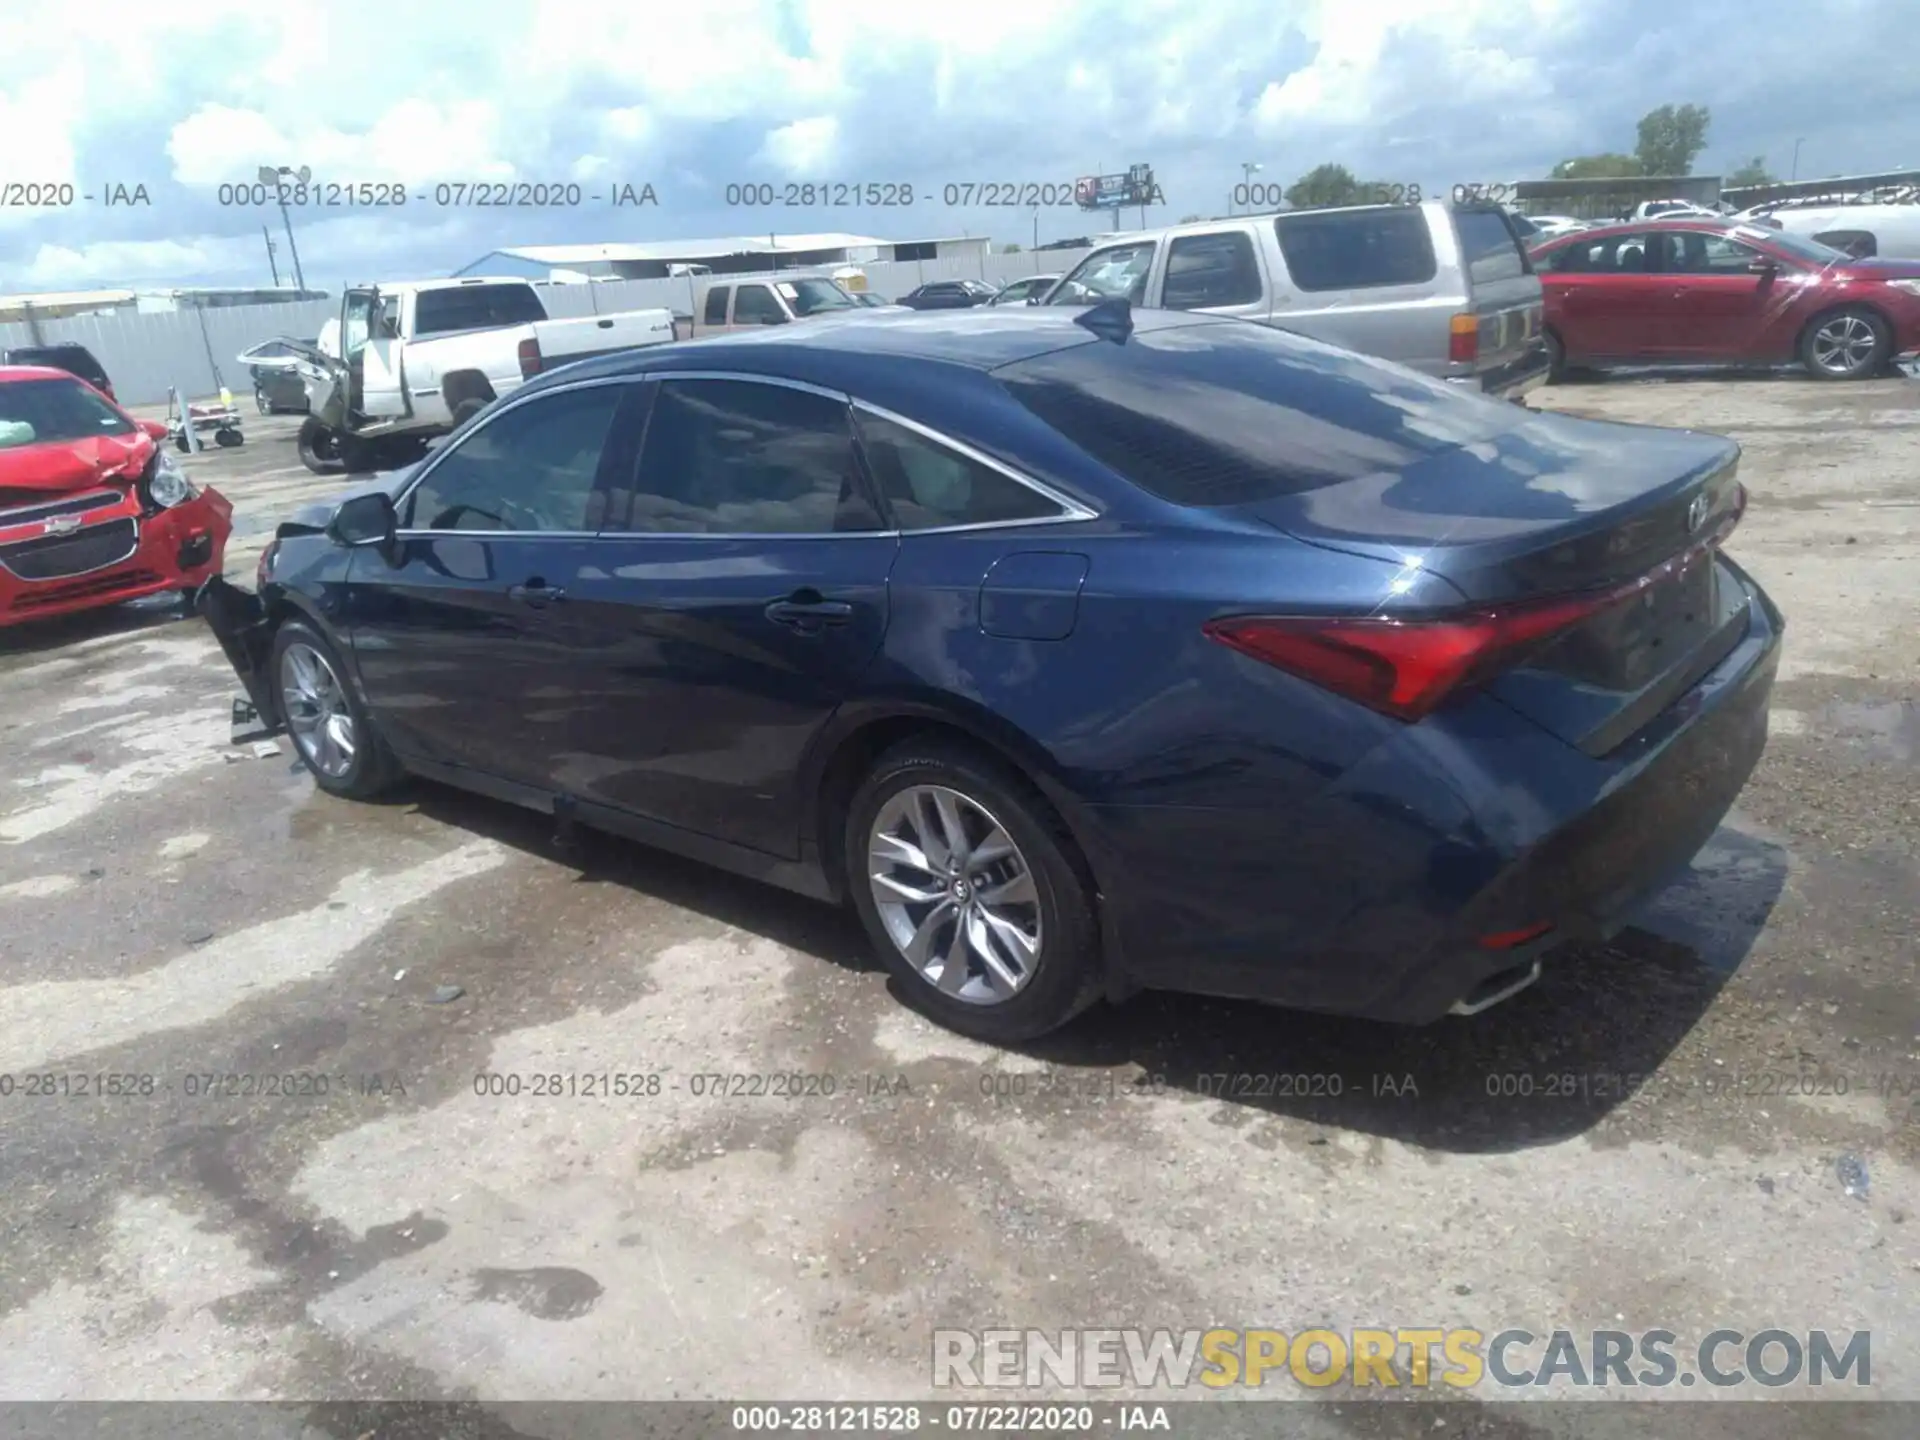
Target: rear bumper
1379 898
1514 380
177 549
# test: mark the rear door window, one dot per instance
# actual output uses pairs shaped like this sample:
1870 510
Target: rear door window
716 308
1489 247
1611 255
927 485
1356 249
1209 270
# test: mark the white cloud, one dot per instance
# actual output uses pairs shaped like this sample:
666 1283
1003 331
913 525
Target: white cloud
805 147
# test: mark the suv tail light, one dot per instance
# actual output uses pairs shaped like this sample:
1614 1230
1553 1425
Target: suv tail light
529 357
1463 339
1406 668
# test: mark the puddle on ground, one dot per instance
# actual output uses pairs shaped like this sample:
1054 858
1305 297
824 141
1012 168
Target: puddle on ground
1718 907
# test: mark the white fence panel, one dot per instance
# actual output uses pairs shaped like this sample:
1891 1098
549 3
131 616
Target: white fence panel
144 354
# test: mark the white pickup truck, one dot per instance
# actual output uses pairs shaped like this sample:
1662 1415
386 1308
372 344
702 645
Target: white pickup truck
418 358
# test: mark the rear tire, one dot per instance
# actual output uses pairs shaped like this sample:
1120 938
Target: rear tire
330 729
1013 912
319 448
228 439
1851 343
1556 359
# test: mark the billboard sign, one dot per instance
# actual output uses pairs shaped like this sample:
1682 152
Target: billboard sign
1111 192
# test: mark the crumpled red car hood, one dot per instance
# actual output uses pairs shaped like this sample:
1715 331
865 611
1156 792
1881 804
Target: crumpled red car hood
71 465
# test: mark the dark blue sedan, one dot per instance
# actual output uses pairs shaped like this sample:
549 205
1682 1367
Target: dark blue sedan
1080 652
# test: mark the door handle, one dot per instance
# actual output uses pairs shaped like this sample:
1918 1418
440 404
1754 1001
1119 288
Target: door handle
536 593
808 613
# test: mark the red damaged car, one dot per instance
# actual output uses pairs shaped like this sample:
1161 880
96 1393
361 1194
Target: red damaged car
1696 291
93 508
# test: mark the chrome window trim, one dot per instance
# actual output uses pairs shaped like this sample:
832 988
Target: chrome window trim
1071 511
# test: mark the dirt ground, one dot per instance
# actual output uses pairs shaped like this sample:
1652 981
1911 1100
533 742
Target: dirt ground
175 909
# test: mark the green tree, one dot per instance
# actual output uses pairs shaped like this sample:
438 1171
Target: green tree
1608 166
1324 185
1010 248
1754 172
1671 138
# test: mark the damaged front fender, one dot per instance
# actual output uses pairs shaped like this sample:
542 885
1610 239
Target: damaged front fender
239 621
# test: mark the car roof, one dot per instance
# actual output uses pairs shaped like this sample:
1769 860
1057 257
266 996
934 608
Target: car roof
1641 227
824 349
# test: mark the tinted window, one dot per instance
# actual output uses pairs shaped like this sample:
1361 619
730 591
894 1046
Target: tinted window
926 484
732 457
1488 246
1223 413
33 411
475 307
531 468
755 305
716 308
1358 249
1692 253
1613 255
1205 270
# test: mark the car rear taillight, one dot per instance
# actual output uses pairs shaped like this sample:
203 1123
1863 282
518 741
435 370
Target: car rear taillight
1406 668
1463 339
529 358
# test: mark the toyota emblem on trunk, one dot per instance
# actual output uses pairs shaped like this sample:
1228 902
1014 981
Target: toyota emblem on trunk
62 525
1697 513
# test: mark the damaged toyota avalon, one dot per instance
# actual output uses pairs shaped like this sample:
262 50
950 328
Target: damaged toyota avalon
1079 652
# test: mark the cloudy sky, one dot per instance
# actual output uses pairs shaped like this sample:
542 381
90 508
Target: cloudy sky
693 95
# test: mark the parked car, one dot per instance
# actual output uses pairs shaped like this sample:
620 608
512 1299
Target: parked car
1078 651
1546 227
1025 291
1708 292
753 304
1447 290
949 295
279 388
74 359
94 509
412 360
1889 231
1669 209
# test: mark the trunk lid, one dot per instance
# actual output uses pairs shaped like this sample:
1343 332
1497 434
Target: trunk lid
1554 507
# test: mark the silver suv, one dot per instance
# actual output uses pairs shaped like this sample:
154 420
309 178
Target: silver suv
1447 290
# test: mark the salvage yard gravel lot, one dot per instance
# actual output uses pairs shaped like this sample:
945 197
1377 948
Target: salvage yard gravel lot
177 912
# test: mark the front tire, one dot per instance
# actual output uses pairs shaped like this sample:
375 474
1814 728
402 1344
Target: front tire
1847 344
972 892
331 731
319 447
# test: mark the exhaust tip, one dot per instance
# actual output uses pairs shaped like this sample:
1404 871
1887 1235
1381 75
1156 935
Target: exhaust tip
1501 985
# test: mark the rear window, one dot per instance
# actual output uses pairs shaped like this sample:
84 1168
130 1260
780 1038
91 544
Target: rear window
1227 413
33 412
1356 249
475 307
1488 247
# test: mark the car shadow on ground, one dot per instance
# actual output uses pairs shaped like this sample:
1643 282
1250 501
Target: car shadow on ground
1548 1064
36 637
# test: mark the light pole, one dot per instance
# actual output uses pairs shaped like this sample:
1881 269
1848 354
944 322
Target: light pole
1248 169
1794 173
275 175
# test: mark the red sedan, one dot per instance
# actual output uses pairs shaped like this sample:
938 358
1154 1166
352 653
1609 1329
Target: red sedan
1708 292
93 508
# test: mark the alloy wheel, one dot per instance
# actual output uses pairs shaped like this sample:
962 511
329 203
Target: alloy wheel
315 704
956 896
1843 344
